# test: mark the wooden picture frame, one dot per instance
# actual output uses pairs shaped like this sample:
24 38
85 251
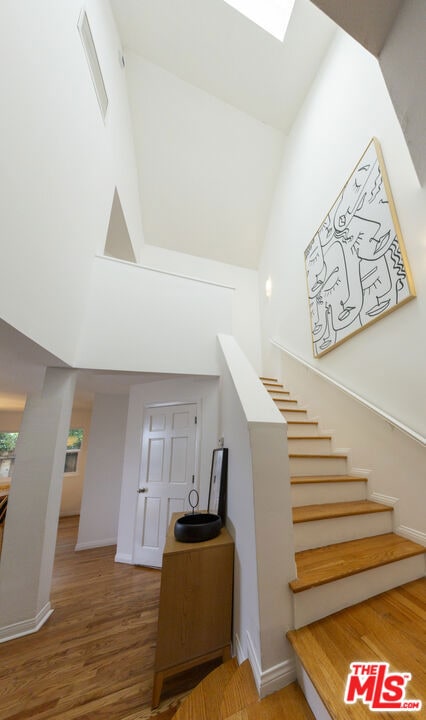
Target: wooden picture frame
218 483
356 265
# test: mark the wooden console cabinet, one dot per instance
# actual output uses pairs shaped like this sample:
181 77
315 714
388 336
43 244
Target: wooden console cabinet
195 613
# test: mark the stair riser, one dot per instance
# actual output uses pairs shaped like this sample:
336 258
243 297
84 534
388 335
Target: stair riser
318 602
302 429
285 403
318 466
295 415
315 493
310 445
318 533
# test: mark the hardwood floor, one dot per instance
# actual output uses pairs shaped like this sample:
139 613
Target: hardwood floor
94 657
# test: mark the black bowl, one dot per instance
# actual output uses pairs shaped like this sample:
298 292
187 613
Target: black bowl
197 527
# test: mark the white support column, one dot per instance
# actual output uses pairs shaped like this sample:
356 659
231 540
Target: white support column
28 552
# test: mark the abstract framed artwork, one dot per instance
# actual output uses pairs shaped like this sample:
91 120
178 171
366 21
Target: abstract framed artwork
356 265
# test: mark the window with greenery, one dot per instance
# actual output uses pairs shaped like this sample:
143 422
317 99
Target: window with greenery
8 446
7 452
74 442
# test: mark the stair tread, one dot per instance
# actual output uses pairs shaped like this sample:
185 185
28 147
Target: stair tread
333 562
302 422
386 628
294 410
265 379
307 513
286 704
308 437
306 479
240 691
204 701
286 399
279 392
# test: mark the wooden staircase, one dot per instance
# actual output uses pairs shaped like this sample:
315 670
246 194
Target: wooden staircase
346 551
359 594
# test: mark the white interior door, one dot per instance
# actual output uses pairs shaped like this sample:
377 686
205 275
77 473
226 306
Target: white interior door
167 475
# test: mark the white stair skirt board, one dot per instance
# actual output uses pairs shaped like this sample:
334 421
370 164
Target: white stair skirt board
274 678
238 650
26 627
313 699
316 444
333 465
318 533
318 602
302 428
326 492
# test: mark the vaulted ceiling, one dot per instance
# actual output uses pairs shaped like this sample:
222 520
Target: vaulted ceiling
212 46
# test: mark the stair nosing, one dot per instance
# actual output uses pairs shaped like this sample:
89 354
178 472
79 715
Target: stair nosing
328 456
306 479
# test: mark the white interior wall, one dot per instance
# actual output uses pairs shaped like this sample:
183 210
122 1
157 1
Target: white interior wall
104 470
393 461
347 105
73 483
259 519
60 164
148 321
207 170
245 298
200 390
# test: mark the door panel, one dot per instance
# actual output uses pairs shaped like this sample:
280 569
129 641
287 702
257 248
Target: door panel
167 475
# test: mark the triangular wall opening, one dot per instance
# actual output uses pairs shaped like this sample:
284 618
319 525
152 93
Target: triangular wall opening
118 244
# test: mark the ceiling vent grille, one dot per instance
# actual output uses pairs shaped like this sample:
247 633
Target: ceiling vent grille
93 62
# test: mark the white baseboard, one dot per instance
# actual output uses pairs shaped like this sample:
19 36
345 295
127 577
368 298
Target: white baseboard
238 650
415 535
95 544
384 499
274 678
124 558
26 627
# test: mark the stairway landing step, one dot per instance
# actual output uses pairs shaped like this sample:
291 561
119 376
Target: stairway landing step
204 701
286 704
334 562
308 513
240 692
386 628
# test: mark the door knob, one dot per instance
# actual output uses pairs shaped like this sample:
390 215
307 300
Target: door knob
141 490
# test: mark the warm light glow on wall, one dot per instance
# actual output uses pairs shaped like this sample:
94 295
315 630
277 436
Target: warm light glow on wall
268 287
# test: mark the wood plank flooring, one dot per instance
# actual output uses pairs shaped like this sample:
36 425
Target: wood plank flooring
386 628
93 659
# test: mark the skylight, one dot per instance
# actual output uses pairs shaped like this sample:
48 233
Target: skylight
271 15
